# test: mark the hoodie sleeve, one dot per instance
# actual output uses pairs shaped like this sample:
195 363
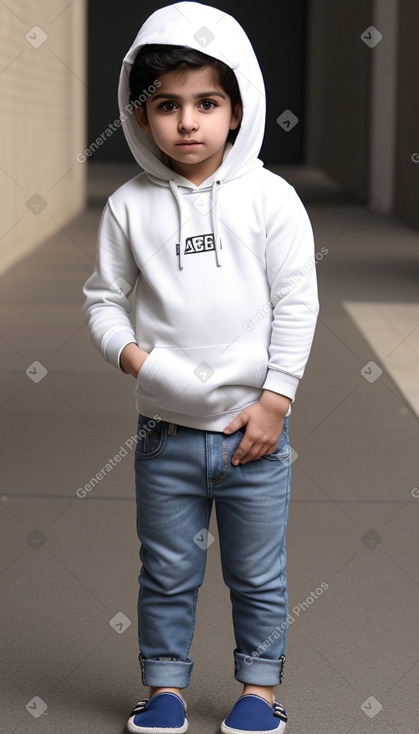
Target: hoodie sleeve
107 308
291 273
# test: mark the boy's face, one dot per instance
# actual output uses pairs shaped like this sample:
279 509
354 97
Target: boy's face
189 117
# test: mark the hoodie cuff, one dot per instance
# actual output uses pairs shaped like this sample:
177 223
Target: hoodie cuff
112 348
282 383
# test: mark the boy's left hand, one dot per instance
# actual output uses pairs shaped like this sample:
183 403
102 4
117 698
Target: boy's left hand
264 422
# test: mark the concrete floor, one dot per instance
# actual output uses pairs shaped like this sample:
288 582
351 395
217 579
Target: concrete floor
69 566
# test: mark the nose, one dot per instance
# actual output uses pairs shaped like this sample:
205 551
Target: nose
187 120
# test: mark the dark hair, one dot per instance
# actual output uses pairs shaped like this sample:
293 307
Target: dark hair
153 60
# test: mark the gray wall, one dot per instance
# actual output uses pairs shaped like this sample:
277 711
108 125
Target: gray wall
407 140
276 30
338 92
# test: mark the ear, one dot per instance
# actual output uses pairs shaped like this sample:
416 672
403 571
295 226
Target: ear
236 116
142 119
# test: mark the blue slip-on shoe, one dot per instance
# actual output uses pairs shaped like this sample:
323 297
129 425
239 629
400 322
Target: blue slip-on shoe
251 714
164 713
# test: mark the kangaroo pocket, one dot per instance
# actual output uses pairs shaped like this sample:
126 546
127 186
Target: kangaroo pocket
203 381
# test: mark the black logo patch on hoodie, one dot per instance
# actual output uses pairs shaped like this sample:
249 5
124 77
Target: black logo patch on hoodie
199 243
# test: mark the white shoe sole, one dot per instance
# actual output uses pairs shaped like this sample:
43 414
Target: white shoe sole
156 729
229 730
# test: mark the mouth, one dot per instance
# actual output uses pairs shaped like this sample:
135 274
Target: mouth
188 144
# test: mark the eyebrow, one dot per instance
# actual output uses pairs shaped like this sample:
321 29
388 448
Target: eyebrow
178 97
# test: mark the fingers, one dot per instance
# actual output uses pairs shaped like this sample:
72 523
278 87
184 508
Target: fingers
239 421
261 435
249 450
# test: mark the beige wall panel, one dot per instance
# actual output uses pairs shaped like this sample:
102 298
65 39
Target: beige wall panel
43 120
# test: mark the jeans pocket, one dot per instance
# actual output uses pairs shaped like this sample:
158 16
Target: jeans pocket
283 450
152 437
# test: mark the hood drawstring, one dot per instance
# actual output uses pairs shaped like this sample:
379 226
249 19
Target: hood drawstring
175 191
214 221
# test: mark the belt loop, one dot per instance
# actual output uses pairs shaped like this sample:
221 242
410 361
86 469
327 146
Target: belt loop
172 429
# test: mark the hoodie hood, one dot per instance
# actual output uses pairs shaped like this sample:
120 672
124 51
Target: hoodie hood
216 34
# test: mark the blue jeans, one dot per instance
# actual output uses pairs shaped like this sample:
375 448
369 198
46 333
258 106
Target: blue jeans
179 472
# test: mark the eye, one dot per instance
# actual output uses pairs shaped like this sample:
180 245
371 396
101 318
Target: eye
167 106
207 105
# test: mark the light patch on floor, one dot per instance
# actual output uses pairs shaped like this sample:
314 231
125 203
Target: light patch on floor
392 331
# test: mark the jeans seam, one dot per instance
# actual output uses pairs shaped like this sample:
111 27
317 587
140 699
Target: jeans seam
281 551
223 473
200 582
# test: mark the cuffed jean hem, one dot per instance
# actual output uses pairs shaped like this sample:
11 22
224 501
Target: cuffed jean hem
258 671
166 673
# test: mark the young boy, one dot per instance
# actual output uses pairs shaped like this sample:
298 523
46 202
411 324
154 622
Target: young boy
221 253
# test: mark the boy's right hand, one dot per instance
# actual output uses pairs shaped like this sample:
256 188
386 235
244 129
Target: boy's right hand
132 359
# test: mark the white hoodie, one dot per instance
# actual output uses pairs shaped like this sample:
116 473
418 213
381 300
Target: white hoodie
226 295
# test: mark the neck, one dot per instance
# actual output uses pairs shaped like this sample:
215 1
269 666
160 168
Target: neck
198 172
